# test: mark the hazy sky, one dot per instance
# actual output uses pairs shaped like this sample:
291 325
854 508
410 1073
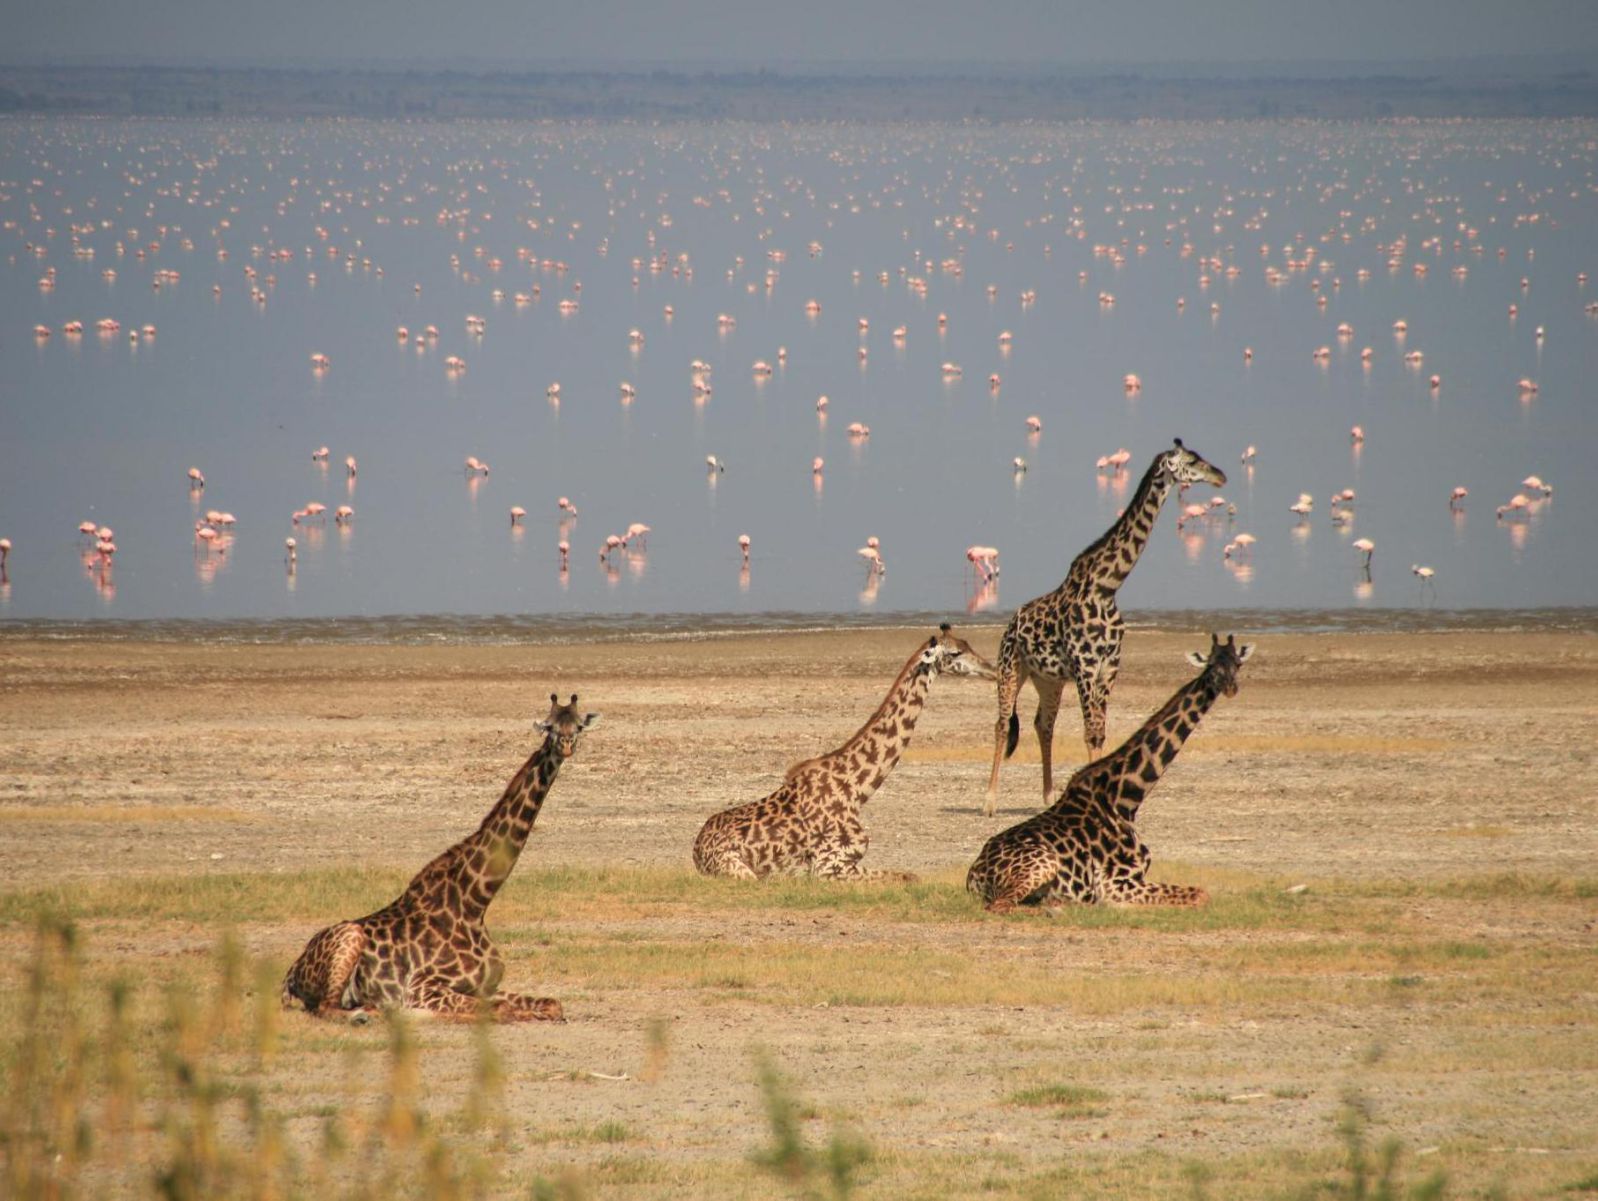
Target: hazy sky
732 32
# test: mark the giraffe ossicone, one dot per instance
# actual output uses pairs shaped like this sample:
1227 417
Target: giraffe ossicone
428 949
1085 847
1074 633
811 824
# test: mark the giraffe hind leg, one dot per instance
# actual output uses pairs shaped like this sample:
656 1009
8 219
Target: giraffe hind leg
1025 878
321 975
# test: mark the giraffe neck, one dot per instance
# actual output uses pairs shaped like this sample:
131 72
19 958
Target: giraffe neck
480 864
1106 564
1130 772
863 763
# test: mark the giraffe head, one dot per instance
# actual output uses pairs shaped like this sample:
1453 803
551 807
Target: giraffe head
565 726
1184 466
945 652
1223 661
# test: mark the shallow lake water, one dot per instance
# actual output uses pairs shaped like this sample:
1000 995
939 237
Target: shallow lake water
1161 250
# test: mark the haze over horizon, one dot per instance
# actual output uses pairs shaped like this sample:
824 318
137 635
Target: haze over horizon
849 33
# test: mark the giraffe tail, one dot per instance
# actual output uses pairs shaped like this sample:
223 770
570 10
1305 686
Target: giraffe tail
1014 736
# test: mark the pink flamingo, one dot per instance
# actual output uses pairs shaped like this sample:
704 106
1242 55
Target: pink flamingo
516 514
637 532
985 559
349 466
196 480
1034 424
343 515
566 507
5 551
291 550
1456 498
1518 503
565 549
1191 512
1356 435
320 454
872 554
817 464
1366 547
743 546
86 529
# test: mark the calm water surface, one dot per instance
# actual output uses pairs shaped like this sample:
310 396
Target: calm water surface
1158 249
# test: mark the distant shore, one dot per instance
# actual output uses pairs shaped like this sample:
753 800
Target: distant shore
563 628
1564 87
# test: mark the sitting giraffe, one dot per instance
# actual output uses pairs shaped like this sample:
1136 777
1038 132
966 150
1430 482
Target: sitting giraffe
1074 632
428 950
1085 847
811 824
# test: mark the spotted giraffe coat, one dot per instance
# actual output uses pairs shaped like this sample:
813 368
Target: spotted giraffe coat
1085 847
428 949
811 824
1074 633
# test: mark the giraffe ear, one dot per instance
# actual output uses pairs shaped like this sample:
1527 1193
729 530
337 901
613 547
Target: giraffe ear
590 720
548 727
1197 659
1244 651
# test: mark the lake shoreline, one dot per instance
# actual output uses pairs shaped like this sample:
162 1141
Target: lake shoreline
558 629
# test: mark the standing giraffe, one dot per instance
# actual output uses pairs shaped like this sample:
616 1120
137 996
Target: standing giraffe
811 823
1085 847
428 949
1074 632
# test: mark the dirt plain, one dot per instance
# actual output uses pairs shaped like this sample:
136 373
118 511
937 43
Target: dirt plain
1433 791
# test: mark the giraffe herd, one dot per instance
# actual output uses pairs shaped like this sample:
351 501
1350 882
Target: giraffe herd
429 950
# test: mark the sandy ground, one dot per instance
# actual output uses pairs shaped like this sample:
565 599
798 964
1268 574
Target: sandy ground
1342 754
1349 757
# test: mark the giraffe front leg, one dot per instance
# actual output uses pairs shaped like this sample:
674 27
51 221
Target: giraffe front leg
1095 698
843 863
1049 692
1138 891
1006 730
518 1007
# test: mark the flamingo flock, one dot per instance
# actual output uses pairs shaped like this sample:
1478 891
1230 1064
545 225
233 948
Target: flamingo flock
349 240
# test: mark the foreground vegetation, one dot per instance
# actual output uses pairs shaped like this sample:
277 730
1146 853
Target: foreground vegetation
1416 1032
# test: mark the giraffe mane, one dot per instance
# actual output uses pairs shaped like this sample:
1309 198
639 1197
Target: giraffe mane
909 666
